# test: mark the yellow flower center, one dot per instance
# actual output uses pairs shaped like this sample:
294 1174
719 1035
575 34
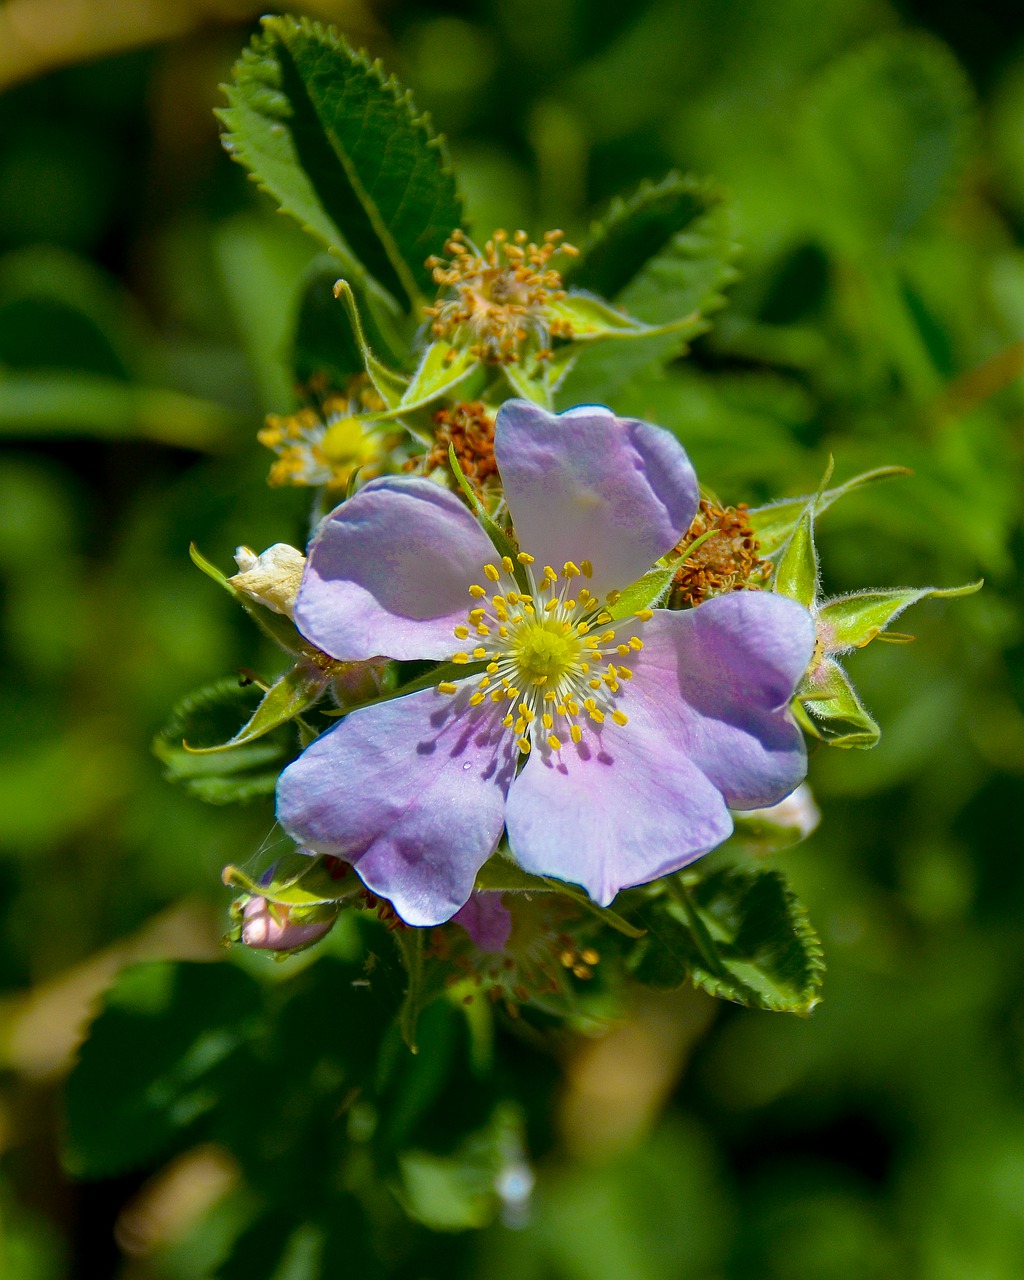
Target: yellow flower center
554 654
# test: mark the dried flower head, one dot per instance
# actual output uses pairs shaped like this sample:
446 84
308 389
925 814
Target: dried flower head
326 446
724 555
500 298
467 428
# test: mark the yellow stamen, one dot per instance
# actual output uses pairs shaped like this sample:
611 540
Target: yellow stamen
491 571
576 733
620 718
477 591
446 686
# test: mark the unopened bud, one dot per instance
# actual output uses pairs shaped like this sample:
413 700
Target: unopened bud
272 578
782 824
269 927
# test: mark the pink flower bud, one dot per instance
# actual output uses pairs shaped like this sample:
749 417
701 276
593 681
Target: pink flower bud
267 927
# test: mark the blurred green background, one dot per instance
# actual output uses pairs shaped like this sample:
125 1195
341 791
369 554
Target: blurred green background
875 155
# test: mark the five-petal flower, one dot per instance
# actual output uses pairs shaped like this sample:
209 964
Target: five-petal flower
611 750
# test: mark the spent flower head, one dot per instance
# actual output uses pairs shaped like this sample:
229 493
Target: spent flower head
497 300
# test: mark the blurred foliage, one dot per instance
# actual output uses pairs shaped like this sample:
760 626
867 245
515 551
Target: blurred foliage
874 159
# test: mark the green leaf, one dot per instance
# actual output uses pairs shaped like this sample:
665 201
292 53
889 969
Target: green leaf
208 717
665 257
796 574
840 718
850 622
343 150
153 1063
774 523
738 933
886 132
273 625
291 694
441 368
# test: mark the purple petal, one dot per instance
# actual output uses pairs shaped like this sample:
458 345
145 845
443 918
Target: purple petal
412 792
586 485
389 572
622 807
709 727
486 919
722 676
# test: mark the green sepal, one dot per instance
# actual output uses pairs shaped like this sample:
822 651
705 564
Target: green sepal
441 368
538 389
445 671
796 574
842 720
593 318
411 945
324 341
207 717
273 625
298 881
645 593
501 875
291 694
390 386
775 523
739 933
311 120
852 621
497 536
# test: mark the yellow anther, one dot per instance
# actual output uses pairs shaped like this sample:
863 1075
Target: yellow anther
483 629
483 683
500 602
512 693
497 695
604 617
554 741
460 657
479 653
607 637
539 680
550 696
476 591
461 632
520 725
584 667
562 709
613 597
508 722
492 572
527 713
620 718
590 643
576 733
547 721
446 686
586 568
596 716
570 605
524 745
636 643
594 684
524 558
585 595
511 597
491 668
550 606
476 615
476 699
570 570
622 650
506 564
644 615
624 672
549 574
591 703
574 707
503 632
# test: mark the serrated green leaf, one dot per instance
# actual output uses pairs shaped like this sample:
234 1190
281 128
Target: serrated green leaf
850 622
273 625
666 256
207 717
775 523
343 150
153 1063
291 694
738 933
839 715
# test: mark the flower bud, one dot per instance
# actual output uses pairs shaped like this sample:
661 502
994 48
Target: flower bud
272 578
269 927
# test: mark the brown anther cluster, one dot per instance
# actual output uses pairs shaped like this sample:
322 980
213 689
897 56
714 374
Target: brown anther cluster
726 560
385 911
469 429
500 297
